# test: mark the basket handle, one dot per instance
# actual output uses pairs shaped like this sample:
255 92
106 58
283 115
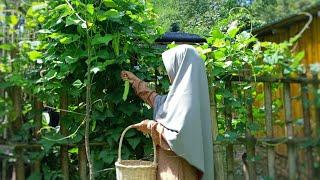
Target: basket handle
120 146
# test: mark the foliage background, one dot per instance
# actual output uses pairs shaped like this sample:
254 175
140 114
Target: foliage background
198 16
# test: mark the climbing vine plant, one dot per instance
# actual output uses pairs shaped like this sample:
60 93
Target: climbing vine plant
81 46
232 52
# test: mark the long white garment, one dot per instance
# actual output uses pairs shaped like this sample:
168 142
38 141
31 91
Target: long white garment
186 109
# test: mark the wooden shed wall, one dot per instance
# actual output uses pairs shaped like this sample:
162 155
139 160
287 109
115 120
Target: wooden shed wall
310 43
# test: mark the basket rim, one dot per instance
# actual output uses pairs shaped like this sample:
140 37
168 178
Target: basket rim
151 165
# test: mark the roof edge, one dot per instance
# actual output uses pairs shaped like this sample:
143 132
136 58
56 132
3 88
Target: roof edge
314 10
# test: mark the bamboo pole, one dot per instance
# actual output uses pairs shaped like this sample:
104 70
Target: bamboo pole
229 148
15 118
307 127
38 106
270 79
217 149
16 122
9 148
82 162
289 131
64 149
19 165
316 97
250 146
315 86
269 128
4 169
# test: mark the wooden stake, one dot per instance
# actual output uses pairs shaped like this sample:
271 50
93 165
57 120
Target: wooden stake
19 165
217 149
269 128
82 162
315 85
316 97
38 106
289 130
250 147
4 169
64 149
229 148
307 127
15 118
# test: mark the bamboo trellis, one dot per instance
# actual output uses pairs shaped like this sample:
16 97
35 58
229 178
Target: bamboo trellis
292 142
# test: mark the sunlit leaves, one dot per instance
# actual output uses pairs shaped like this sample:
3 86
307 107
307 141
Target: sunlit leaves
105 34
64 38
90 8
13 20
109 3
216 34
112 13
64 10
101 39
72 20
7 47
297 59
78 84
232 32
34 55
219 43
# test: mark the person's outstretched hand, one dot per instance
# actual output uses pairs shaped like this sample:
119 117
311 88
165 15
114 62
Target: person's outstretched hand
128 76
143 126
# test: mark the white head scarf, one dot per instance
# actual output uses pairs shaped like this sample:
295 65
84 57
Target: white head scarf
186 108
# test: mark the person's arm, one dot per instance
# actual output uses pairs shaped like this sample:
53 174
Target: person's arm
141 89
156 130
157 135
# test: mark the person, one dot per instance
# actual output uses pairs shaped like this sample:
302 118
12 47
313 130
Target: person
181 128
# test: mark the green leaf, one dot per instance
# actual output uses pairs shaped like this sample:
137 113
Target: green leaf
217 34
298 58
65 9
73 150
7 47
107 156
71 20
126 90
90 8
134 142
50 75
34 55
101 39
78 84
227 64
36 175
109 3
95 70
219 55
233 32
219 43
67 39
13 20
112 13
93 126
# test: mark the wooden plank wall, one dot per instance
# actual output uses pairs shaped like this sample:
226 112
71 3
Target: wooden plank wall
310 43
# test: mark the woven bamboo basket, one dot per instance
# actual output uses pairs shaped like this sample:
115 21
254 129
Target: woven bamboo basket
135 169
